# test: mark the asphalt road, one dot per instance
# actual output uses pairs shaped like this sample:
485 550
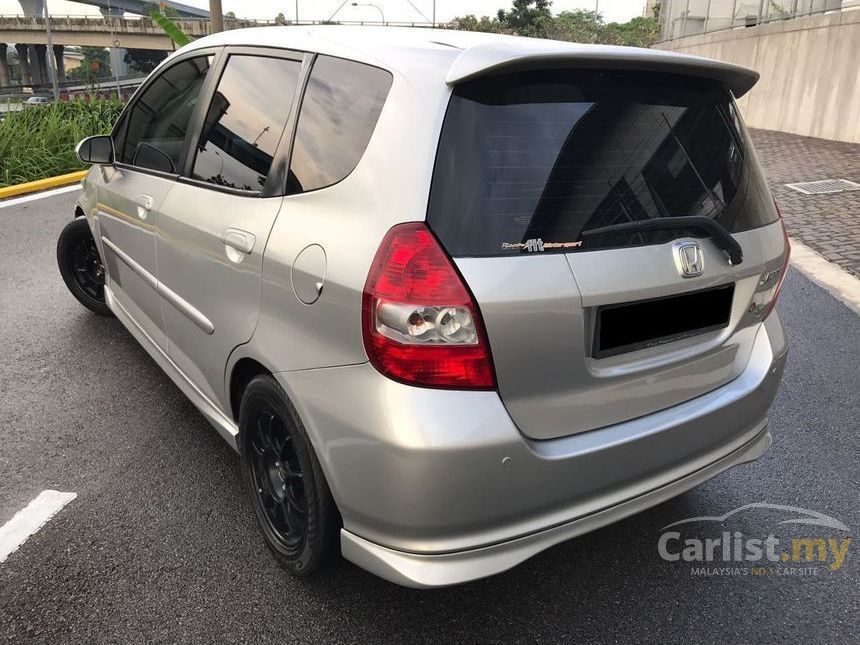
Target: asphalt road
161 545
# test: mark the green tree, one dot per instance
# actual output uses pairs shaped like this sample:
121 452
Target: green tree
281 19
638 32
95 65
527 17
534 18
486 24
579 26
144 60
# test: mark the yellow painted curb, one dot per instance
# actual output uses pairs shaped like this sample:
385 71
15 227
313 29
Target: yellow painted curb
42 184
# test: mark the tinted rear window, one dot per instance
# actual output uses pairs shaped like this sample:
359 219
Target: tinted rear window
528 162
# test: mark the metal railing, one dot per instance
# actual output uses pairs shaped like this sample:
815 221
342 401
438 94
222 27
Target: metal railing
680 18
136 23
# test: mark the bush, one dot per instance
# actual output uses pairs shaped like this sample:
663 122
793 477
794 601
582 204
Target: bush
39 142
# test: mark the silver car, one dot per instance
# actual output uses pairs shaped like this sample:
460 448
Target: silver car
453 297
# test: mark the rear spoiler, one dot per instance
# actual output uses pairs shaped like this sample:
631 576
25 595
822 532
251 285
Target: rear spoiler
499 57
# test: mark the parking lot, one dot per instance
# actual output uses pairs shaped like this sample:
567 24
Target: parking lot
160 543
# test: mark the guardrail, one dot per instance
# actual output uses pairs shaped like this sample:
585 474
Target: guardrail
109 82
193 26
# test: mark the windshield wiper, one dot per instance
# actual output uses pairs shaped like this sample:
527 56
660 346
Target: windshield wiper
722 238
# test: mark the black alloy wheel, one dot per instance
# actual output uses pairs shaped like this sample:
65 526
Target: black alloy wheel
81 266
288 490
279 479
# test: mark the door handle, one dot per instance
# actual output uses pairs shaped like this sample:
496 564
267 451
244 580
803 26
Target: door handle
144 205
238 239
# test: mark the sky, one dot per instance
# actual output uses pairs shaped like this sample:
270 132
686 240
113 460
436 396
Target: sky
394 10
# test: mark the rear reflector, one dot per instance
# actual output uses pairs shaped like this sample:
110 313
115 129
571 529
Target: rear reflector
770 283
419 322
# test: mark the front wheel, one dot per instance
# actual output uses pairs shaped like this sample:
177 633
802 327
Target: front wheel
81 266
288 490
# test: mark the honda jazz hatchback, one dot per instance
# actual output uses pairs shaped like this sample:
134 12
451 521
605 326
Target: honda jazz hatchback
453 297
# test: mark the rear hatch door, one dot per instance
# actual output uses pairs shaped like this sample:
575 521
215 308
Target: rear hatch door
555 192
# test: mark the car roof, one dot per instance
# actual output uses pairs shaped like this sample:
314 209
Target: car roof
461 55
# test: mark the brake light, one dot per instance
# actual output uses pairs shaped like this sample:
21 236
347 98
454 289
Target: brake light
420 323
771 283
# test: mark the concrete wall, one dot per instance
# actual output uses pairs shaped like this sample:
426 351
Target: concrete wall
810 72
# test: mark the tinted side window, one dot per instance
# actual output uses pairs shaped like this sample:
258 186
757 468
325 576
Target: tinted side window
245 121
339 111
158 121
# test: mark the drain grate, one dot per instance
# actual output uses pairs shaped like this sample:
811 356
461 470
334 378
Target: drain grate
824 187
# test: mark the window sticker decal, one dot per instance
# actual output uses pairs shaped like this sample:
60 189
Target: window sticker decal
538 245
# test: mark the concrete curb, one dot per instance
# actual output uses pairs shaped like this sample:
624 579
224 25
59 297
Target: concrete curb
42 184
842 285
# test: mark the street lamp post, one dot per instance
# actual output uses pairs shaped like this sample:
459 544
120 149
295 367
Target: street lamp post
370 4
51 55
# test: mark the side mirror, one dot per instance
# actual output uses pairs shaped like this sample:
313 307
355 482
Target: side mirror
96 150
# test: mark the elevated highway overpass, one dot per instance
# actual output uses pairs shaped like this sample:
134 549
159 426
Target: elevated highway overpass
104 31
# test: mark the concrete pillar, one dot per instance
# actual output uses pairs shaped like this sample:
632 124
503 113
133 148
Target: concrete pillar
39 65
24 64
61 63
32 7
4 66
216 17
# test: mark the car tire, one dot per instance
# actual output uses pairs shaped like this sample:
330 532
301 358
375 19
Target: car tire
81 266
288 490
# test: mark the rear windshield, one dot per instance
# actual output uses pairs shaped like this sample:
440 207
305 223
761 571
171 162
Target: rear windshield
531 161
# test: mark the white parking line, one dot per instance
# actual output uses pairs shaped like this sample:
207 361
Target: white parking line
46 193
30 519
841 284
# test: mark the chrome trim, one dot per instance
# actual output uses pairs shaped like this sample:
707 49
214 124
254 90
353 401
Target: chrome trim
225 426
689 258
192 313
438 570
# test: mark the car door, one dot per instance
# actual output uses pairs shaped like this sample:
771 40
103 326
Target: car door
214 224
150 141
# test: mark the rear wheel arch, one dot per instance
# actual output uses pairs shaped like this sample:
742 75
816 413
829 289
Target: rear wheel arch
243 372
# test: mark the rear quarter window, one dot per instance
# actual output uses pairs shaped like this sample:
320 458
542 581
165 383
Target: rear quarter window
339 112
530 161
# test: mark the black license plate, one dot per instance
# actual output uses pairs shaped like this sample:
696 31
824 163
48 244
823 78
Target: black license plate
645 323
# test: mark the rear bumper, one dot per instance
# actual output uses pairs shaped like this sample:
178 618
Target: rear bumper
426 571
439 487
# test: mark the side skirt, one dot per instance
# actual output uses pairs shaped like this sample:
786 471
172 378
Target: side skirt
225 426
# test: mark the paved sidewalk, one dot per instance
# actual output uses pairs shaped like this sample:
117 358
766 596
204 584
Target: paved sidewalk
829 224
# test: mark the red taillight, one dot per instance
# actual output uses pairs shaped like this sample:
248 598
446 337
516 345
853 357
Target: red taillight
419 321
771 283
